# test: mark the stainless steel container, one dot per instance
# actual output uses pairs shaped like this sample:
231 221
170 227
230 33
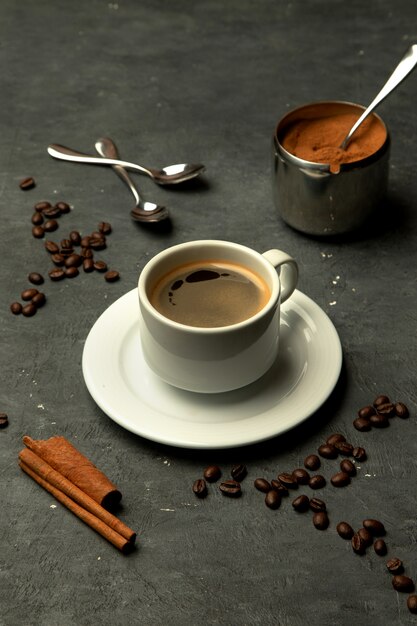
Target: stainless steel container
312 199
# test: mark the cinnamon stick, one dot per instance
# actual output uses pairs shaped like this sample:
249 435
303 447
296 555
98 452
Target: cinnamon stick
54 478
63 457
94 522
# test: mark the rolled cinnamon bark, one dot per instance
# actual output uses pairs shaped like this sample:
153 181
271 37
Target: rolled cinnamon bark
63 457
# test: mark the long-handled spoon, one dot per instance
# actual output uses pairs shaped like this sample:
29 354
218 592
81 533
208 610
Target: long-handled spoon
143 211
170 175
407 63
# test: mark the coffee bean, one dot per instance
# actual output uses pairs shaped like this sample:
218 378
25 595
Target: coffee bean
85 241
366 411
4 420
73 260
87 253
63 207
380 547
29 310
359 454
401 410
317 505
288 480
312 462
35 278
16 308
379 421
231 488
344 447
238 472
395 566
374 526
100 266
38 232
104 228
75 237
321 520
345 530
41 206
200 488
50 226
71 272
332 439
212 473
57 274
362 424
328 451
358 544
261 484
273 499
51 247
52 213
301 503
402 583
301 476
382 399
27 183
387 409
88 265
98 244
317 481
412 603
66 244
39 300
278 486
37 219
366 536
28 294
58 259
348 467
111 276
341 479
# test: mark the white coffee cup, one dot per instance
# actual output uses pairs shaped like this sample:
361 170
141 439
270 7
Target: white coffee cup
221 358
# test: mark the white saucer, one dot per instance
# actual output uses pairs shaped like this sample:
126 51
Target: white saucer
305 373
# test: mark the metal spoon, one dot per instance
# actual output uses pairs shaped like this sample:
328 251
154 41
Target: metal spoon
172 174
407 63
143 211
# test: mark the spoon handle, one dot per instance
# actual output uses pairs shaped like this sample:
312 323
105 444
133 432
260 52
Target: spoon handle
107 149
67 154
407 63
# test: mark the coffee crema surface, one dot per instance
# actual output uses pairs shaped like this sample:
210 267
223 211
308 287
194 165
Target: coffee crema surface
210 294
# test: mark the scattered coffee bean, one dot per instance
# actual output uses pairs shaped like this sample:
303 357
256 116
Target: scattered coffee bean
328 451
52 212
401 410
4 420
200 488
87 253
321 520
312 462
344 447
16 308
35 278
273 499
359 454
231 488
64 207
301 476
88 265
332 439
402 583
395 566
382 399
278 486
51 247
348 467
317 505
85 241
66 244
358 544
57 274
379 421
39 300
380 547
366 411
341 479
387 409
27 183
38 232
28 294
37 219
111 276
362 424
41 206
104 228
75 237
261 484
97 244
73 260
374 526
288 480
50 226
412 603
238 472
317 481
71 272
345 530
58 259
366 536
212 473
29 310
100 266
301 503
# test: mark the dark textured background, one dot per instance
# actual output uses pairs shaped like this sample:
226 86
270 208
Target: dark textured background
200 81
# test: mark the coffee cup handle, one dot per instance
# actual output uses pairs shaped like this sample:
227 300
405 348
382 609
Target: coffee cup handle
287 269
